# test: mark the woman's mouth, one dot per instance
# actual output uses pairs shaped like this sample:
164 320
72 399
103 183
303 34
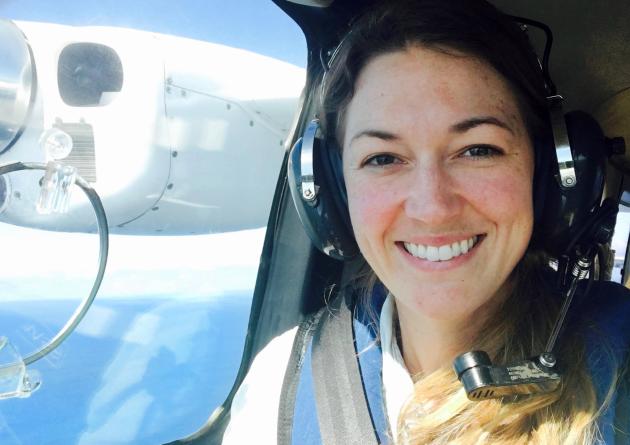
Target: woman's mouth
442 253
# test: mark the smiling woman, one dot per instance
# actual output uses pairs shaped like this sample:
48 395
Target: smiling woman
422 179
438 145
441 134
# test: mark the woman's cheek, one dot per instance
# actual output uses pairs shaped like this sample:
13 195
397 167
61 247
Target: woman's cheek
505 198
498 189
370 207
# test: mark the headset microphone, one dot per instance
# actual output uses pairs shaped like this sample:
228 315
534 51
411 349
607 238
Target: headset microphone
482 380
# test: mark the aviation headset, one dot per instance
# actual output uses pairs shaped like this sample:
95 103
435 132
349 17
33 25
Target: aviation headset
567 195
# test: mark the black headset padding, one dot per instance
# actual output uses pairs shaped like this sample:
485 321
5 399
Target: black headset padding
564 211
326 219
333 171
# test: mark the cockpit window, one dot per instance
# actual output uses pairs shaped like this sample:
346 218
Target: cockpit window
179 120
621 243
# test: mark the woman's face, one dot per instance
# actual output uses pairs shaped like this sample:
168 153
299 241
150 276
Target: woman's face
438 167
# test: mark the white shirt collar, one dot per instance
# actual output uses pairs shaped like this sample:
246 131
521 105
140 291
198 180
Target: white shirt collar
397 383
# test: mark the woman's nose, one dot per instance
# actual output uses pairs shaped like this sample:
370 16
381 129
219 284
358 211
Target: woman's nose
432 196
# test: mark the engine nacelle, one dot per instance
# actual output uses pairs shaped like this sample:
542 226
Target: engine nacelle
177 136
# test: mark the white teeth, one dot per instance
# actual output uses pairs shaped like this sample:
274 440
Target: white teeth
441 253
445 253
433 253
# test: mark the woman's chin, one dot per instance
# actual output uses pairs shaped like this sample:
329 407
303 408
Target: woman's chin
448 303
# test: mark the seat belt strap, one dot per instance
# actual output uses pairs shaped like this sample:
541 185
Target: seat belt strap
342 408
292 378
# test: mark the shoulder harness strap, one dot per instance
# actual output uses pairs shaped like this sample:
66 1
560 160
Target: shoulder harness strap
342 408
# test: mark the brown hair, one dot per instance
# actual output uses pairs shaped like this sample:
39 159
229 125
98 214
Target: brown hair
467 26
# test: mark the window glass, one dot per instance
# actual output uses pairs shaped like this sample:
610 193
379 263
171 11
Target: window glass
177 115
620 244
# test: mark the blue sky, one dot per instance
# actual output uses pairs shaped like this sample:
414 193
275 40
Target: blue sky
255 25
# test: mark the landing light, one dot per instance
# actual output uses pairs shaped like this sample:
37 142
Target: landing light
56 186
56 143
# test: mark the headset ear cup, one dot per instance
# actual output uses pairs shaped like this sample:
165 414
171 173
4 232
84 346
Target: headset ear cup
567 209
543 176
333 169
323 217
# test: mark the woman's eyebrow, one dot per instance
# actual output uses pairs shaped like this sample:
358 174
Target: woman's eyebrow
379 134
460 127
468 124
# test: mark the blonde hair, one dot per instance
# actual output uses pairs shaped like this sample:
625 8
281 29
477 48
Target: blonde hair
439 411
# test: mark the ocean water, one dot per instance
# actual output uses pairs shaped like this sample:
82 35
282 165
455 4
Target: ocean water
143 371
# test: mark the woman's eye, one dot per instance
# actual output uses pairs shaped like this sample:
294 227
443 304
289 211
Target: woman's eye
381 160
481 151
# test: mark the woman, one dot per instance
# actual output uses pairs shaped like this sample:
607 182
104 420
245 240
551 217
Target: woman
439 112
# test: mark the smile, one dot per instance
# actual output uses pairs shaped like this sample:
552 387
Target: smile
441 253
